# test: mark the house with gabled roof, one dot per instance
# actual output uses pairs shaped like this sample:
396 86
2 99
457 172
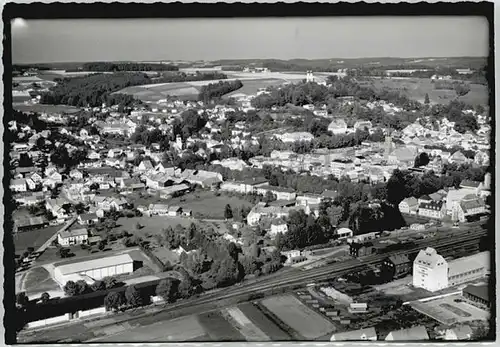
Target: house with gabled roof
418 333
409 205
366 334
458 333
432 209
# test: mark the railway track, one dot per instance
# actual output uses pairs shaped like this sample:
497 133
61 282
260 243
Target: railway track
292 279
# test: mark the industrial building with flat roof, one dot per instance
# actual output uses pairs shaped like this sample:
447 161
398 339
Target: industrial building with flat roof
95 269
432 272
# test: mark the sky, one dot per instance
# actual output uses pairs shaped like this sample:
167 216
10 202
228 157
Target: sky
81 40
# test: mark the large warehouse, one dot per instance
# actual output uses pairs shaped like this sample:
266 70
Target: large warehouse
95 269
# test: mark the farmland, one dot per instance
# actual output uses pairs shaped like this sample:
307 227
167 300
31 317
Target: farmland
40 108
416 88
299 317
218 328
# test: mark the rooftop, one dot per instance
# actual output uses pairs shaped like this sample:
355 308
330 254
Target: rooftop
80 265
480 291
356 335
411 334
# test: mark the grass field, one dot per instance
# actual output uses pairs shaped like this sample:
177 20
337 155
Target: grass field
416 88
244 325
263 323
46 108
253 86
299 317
218 328
183 329
34 238
205 204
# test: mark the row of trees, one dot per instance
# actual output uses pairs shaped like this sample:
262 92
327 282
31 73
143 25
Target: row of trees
217 90
183 77
93 90
115 67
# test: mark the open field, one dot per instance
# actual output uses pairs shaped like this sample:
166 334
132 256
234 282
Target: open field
251 84
263 323
183 329
33 238
447 311
205 204
244 325
416 88
299 317
218 328
45 108
37 281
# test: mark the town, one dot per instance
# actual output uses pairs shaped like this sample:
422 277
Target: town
188 201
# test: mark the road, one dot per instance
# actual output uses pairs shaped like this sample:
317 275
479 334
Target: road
272 285
53 237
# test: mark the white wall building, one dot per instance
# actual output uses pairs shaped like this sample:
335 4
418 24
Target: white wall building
430 270
95 268
72 237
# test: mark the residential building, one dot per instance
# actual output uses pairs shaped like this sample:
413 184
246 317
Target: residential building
88 218
397 266
362 125
343 233
430 270
408 205
458 333
453 198
338 126
474 187
417 333
174 211
308 199
30 223
296 137
432 209
244 187
469 207
367 334
458 158
76 174
18 185
478 295
158 210
72 237
281 193
278 226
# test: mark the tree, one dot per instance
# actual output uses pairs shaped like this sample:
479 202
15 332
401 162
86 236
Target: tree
22 299
110 282
426 100
228 212
422 160
462 89
45 297
98 285
165 290
63 252
114 300
133 296
82 287
70 288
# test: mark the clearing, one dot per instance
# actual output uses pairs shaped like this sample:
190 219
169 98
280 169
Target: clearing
416 88
299 317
